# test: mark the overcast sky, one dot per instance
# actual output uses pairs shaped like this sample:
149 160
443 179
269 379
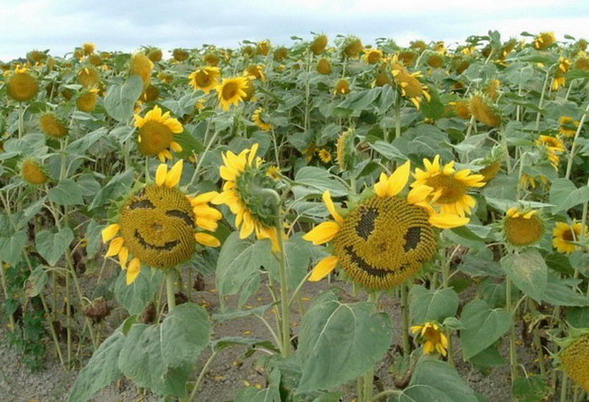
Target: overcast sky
60 25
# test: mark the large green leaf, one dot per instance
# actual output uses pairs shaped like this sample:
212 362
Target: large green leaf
316 180
528 271
483 326
564 195
12 246
136 296
161 357
67 192
432 304
120 99
102 368
52 245
559 292
339 342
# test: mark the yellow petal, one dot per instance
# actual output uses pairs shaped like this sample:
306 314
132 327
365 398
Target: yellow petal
418 194
448 221
398 179
110 231
207 240
252 154
322 233
174 146
204 197
331 207
160 174
247 227
174 175
115 246
380 187
323 268
133 270
123 257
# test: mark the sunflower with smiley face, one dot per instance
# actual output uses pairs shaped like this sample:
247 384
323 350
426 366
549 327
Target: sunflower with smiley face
159 225
383 239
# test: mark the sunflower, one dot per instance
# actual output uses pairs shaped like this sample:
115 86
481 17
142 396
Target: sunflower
254 211
490 171
95 60
212 59
280 54
553 146
582 63
87 101
263 48
461 108
319 44
52 126
142 66
385 238
435 339
88 48
33 172
522 227
257 119
447 188
372 56
255 72
156 133
484 111
205 79
232 91
382 79
158 225
435 60
532 181
21 85
406 57
567 126
155 55
324 66
180 54
492 89
574 360
544 40
345 149
564 236
342 87
324 155
89 77
418 45
559 80
150 93
410 85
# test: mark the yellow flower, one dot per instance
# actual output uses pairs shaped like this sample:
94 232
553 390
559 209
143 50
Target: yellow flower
319 44
88 48
33 172
372 56
232 91
410 85
263 48
180 54
564 236
530 181
156 133
435 339
522 227
574 360
142 66
22 86
86 102
205 79
89 77
255 212
544 40
52 126
257 119
559 79
255 72
461 108
342 87
553 146
324 66
158 225
567 126
385 239
447 187
324 155
484 111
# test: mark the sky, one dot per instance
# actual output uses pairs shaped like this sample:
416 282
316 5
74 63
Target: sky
126 25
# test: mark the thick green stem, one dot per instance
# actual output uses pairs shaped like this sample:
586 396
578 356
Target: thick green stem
284 302
573 146
542 99
170 289
512 337
564 388
405 314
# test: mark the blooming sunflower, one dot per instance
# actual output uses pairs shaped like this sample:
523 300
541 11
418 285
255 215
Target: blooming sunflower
254 211
559 80
564 236
447 188
523 227
257 119
372 56
410 85
89 77
142 66
205 79
484 111
544 40
574 360
435 339
342 87
52 126
232 91
324 155
461 108
158 225
385 238
567 126
33 172
21 85
553 146
156 133
87 101
255 72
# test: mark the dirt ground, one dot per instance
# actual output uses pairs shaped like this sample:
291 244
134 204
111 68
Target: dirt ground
230 370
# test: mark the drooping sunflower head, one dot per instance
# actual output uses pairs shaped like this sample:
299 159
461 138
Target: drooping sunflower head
582 63
263 48
52 126
89 77
565 237
373 56
232 91
142 66
255 72
559 79
150 93
156 133
410 85
259 121
406 57
567 126
22 86
352 47
33 172
180 54
544 40
435 340
88 48
491 163
461 108
94 59
448 188
324 66
248 192
205 79
553 147
155 54
523 227
435 60
87 101
346 149
492 89
385 238
36 56
324 155
342 87
212 59
280 54
418 45
574 359
159 225
319 44
383 78
484 111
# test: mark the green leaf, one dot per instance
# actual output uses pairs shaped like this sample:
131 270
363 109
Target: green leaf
436 381
81 145
229 341
36 282
94 237
317 180
578 317
559 293
67 192
161 357
52 245
136 296
102 369
564 195
432 305
120 99
528 271
269 394
483 326
339 342
116 187
11 247
533 388
388 151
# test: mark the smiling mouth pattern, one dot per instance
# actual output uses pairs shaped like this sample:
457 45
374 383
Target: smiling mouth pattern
166 247
364 266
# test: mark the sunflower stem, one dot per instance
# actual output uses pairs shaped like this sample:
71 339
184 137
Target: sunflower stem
397 118
572 153
21 120
201 376
512 349
542 99
284 300
170 292
405 314
564 388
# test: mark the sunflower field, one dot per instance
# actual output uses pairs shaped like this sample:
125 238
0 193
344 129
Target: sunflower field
395 220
